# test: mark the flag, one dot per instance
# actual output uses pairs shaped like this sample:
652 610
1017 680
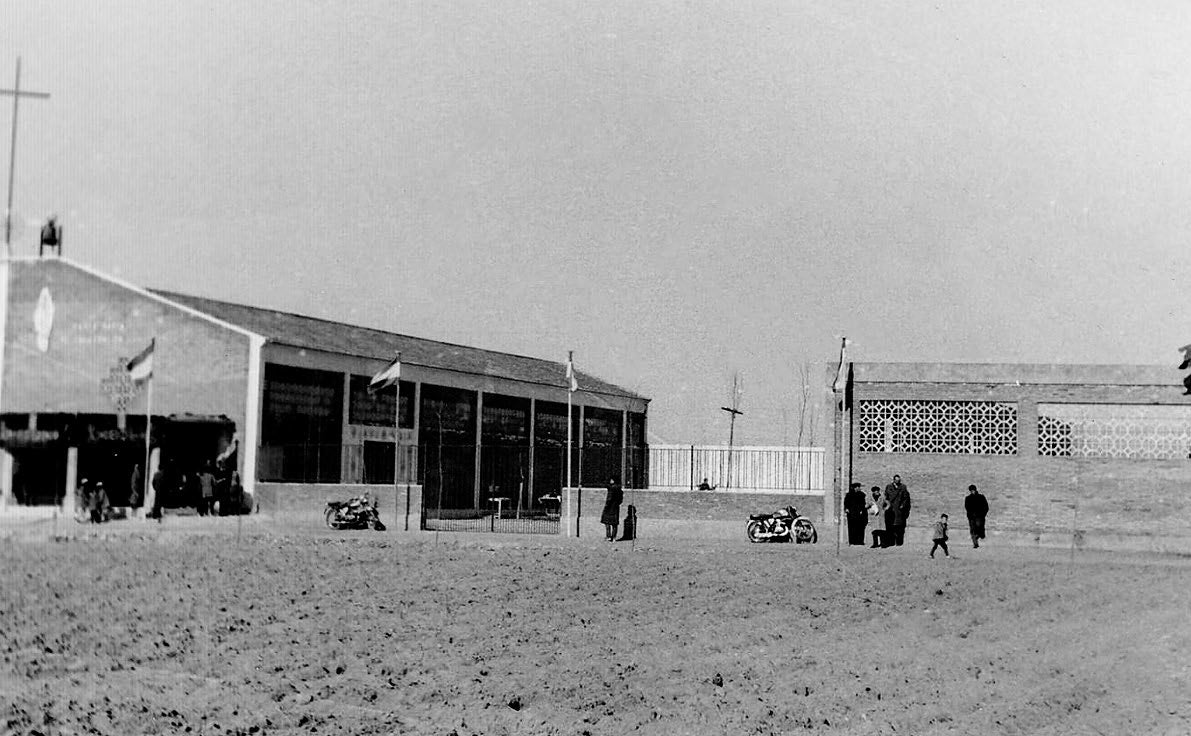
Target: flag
389 376
140 368
574 384
838 383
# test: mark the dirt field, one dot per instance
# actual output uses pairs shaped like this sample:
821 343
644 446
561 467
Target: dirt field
155 630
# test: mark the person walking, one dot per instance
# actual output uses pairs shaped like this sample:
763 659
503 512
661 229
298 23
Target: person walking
939 537
897 496
856 512
611 516
976 507
876 510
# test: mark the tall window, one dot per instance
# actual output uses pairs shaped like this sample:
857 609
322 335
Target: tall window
302 427
379 409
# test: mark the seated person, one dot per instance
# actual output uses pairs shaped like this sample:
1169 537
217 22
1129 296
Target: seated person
705 486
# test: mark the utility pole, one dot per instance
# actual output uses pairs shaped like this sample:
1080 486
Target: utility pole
734 412
17 93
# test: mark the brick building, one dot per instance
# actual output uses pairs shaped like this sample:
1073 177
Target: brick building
284 394
1101 448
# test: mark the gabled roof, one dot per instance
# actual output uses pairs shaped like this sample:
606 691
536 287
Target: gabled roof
312 333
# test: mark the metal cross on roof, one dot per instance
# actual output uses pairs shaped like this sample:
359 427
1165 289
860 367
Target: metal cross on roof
17 93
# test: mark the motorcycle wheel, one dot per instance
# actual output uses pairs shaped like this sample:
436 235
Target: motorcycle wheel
805 532
330 517
754 532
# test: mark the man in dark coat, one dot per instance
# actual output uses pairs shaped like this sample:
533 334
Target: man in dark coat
136 485
158 483
976 506
898 498
856 511
611 516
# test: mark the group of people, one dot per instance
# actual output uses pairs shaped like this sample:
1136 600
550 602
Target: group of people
93 499
887 511
214 485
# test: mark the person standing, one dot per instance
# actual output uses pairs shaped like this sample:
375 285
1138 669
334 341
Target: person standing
939 537
98 503
856 512
206 481
876 509
159 483
611 516
235 494
135 486
897 496
976 506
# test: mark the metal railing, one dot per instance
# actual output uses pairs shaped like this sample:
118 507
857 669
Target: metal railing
747 468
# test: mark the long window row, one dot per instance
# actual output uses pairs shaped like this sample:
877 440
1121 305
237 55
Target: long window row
303 438
956 427
1148 432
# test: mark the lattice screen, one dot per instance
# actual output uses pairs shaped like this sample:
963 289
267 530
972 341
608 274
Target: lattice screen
1114 430
956 427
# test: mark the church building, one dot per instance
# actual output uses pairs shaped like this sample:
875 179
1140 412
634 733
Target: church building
282 397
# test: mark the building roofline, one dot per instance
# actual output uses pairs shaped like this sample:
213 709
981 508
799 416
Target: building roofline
272 340
1019 373
140 291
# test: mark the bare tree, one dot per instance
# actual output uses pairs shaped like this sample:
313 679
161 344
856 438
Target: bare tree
805 412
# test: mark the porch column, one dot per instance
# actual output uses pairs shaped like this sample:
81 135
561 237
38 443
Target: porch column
476 490
624 446
533 424
70 501
6 497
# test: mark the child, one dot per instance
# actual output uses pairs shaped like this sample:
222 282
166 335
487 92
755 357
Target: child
939 536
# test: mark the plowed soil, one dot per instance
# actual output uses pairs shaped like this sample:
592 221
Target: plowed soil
164 632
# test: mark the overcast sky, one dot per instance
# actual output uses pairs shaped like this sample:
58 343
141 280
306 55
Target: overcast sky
677 191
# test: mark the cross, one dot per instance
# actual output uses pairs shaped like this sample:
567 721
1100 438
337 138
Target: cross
17 93
119 385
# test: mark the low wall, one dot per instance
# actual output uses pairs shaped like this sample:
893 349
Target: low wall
304 504
715 515
711 514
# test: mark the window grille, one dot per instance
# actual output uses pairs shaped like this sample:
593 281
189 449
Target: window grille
955 427
1114 430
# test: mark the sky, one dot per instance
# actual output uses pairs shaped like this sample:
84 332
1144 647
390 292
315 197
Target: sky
682 193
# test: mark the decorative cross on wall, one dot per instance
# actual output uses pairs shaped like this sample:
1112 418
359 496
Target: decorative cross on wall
119 385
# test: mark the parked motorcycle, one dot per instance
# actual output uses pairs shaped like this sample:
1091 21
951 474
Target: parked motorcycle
358 513
784 525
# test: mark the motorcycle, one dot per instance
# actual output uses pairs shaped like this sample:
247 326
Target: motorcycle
358 513
784 525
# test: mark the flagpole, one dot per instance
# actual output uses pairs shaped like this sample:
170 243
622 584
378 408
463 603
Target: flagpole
148 428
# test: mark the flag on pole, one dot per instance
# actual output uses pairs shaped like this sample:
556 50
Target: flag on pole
140 368
838 383
387 377
574 383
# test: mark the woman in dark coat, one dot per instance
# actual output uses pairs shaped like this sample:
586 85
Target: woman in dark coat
611 516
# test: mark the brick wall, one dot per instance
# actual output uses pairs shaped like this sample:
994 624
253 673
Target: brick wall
199 367
1031 494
